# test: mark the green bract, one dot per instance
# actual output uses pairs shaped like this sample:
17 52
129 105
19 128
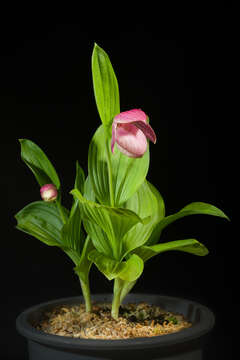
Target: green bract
127 174
117 216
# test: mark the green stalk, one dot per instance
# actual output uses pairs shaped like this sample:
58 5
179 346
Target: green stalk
86 294
126 288
118 283
110 178
111 192
83 278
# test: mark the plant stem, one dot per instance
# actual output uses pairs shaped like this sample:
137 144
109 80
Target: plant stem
126 288
83 278
118 283
110 179
86 294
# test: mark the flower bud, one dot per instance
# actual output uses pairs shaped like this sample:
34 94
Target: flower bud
48 192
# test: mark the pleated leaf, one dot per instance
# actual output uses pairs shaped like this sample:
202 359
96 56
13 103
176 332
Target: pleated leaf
84 263
128 270
72 234
128 174
115 222
191 209
105 86
146 202
131 269
191 246
41 220
80 178
98 235
38 162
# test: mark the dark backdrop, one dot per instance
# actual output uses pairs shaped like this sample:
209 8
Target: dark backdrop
183 81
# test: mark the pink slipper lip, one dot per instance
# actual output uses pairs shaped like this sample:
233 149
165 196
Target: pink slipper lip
130 130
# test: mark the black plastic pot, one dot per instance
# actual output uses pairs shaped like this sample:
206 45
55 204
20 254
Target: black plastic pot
187 344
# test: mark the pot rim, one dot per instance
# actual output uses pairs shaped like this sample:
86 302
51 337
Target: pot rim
196 331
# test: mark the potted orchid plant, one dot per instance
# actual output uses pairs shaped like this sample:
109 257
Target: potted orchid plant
117 215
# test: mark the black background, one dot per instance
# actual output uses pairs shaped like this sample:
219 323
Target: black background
182 75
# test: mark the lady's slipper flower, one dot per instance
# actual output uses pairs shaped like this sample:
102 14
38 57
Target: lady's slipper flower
48 192
130 131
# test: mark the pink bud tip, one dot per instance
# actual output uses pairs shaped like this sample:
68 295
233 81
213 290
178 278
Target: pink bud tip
48 192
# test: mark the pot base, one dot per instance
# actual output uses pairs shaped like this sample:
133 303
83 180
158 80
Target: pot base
40 352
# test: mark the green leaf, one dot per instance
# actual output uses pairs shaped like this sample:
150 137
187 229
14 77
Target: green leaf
105 86
144 203
173 319
106 265
115 222
41 220
98 236
191 246
154 237
38 162
191 209
84 264
80 178
160 201
147 201
132 269
126 288
79 184
88 190
128 174
128 270
72 233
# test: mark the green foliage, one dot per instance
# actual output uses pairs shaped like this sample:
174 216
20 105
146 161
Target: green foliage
172 319
128 270
105 87
43 221
191 246
72 232
117 216
84 263
50 222
38 162
144 203
191 209
115 222
128 174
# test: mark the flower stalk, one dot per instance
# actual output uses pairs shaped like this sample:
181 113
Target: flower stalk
118 284
86 294
126 288
110 178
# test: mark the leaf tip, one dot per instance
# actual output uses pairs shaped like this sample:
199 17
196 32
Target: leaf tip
21 141
75 192
223 215
226 217
72 192
96 47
